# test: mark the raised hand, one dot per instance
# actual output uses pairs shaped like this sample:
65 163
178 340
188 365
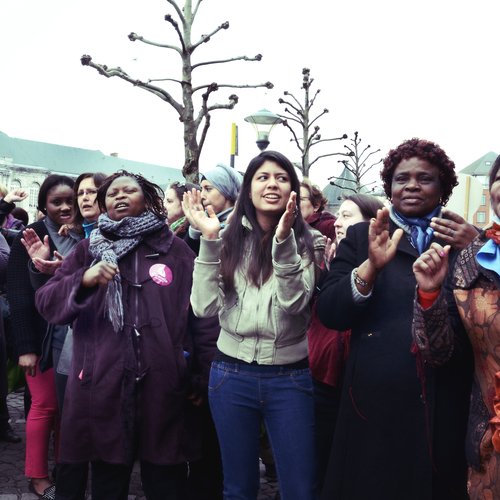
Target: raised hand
205 221
330 250
288 218
34 245
431 267
99 274
453 229
381 247
191 202
48 266
16 195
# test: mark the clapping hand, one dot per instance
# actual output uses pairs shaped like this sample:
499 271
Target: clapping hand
34 245
48 266
288 218
191 202
453 229
431 267
330 250
39 252
205 221
381 247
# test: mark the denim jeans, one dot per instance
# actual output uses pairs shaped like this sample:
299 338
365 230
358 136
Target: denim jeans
241 396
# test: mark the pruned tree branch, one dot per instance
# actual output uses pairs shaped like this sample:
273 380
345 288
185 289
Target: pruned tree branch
258 57
295 138
300 114
134 37
86 60
196 122
178 10
174 23
267 85
206 38
324 156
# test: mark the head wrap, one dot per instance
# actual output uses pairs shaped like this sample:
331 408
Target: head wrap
226 180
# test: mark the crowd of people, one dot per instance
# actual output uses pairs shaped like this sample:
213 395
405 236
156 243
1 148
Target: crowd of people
178 328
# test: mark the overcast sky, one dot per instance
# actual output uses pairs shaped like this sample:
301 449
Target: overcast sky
390 69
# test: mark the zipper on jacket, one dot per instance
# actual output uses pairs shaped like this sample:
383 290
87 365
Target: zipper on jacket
138 339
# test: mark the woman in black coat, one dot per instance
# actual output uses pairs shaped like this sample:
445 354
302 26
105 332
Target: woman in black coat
401 425
55 200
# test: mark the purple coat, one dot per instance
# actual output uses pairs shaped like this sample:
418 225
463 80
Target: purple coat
126 396
324 222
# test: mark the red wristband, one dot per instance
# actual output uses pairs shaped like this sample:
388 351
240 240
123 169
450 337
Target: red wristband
426 299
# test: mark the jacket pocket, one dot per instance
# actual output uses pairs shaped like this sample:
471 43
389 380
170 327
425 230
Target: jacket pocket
289 329
230 315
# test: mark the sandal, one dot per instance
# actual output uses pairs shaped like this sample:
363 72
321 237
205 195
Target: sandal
48 494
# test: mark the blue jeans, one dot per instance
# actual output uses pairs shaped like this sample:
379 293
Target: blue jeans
241 396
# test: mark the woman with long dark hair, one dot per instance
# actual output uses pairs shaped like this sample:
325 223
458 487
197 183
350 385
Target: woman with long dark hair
266 259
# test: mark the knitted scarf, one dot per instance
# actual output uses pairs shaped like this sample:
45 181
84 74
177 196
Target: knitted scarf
111 241
174 225
418 228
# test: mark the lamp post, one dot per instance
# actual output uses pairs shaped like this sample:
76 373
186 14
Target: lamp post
263 122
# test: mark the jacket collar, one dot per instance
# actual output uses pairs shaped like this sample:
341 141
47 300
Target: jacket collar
467 268
160 241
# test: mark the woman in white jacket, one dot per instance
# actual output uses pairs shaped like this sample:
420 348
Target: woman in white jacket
259 276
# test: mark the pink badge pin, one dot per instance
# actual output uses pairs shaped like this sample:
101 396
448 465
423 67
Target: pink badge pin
161 274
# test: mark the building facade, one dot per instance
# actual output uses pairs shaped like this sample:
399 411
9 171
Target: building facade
25 164
480 169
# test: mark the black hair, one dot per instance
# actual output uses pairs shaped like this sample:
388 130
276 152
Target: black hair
153 194
493 172
50 182
236 237
20 214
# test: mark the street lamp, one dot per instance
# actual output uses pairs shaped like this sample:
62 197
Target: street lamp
263 122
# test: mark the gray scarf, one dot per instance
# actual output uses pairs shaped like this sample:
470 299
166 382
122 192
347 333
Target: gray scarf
128 232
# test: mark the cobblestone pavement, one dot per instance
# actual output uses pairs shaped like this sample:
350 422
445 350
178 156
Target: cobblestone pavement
14 485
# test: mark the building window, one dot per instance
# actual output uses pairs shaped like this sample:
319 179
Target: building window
481 217
15 184
483 200
33 195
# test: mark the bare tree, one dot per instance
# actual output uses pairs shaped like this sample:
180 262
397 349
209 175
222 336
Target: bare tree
309 129
358 164
193 121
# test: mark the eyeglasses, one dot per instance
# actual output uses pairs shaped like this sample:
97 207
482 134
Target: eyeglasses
86 192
